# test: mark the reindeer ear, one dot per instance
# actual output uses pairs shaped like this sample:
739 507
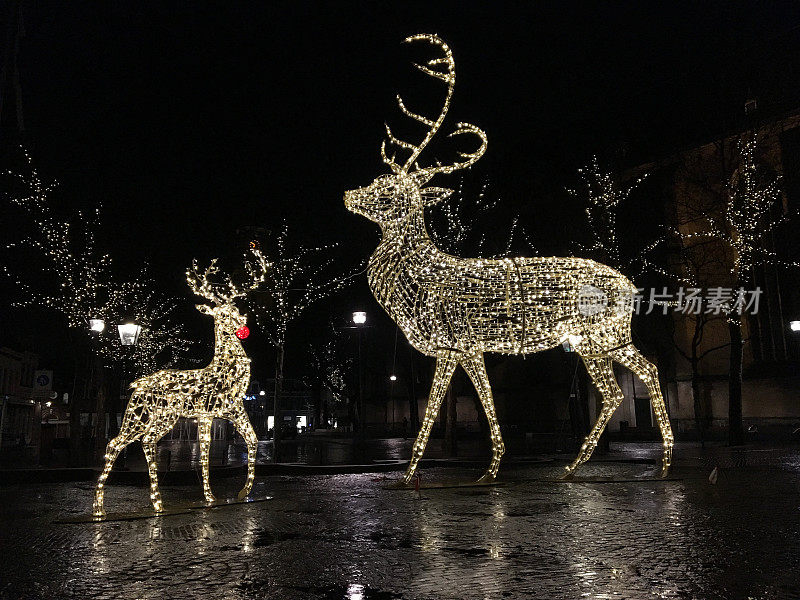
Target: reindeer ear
205 309
421 177
434 195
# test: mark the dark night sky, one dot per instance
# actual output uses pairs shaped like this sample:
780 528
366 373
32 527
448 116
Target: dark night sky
188 120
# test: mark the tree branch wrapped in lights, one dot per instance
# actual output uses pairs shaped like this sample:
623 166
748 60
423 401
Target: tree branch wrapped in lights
456 309
216 391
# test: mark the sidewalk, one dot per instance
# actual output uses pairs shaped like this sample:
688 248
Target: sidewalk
186 472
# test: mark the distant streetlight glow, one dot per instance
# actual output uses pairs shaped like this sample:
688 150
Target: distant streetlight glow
97 325
794 325
392 377
359 317
262 393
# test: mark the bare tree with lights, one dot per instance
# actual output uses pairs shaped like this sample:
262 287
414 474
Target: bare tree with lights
72 276
690 265
458 226
738 235
162 343
75 280
300 277
601 193
330 367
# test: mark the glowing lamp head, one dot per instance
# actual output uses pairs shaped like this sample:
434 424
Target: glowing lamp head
392 377
359 317
129 333
97 325
794 325
243 332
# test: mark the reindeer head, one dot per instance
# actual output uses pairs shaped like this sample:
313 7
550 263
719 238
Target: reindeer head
392 198
222 296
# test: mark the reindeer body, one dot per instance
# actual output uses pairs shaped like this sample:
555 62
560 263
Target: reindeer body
508 306
214 392
214 400
455 309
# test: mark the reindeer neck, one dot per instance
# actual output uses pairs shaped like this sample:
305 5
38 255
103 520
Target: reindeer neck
405 249
225 347
410 235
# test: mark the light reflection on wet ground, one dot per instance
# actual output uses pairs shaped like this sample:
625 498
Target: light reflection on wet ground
342 536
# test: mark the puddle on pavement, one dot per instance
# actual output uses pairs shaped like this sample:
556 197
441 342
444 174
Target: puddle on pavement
353 591
267 538
467 551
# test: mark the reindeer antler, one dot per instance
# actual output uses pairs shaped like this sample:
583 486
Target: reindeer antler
449 77
256 274
202 286
199 282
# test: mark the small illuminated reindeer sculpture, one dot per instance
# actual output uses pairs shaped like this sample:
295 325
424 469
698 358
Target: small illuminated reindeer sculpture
455 309
217 391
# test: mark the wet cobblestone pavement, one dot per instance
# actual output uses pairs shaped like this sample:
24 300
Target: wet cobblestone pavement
342 536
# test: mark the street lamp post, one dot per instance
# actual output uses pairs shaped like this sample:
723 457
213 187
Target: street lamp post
359 318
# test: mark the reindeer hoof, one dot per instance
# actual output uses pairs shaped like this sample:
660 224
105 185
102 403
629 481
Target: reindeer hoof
569 475
486 478
243 494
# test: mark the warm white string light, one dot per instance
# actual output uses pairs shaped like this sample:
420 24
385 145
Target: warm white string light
456 309
214 392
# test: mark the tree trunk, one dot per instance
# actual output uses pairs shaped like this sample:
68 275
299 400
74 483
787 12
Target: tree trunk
74 430
735 426
451 420
99 388
326 414
699 417
317 391
277 420
75 412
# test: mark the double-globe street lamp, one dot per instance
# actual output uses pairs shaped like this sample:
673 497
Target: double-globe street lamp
128 332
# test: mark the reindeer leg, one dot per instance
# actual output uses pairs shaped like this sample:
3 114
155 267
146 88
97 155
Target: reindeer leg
602 373
113 449
204 436
149 446
476 369
445 365
245 428
631 358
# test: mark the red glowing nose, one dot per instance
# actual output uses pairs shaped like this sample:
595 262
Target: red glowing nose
243 332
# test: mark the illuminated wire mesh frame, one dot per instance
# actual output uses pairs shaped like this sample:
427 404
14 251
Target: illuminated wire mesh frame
455 309
217 391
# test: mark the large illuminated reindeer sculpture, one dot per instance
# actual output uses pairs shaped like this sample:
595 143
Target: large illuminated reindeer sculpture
215 392
456 309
